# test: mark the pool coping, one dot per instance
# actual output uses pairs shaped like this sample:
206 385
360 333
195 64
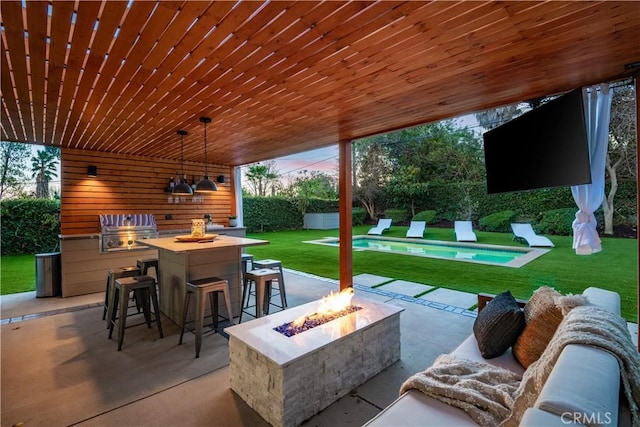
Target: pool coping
529 254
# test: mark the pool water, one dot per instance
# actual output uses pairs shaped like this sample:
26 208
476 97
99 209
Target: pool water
468 252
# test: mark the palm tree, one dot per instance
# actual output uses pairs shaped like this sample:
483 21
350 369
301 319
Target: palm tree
43 167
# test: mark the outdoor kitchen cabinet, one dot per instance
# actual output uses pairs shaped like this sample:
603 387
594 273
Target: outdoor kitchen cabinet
84 268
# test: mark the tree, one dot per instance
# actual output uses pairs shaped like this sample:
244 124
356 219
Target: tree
406 188
372 171
442 152
14 157
43 168
621 156
262 178
308 185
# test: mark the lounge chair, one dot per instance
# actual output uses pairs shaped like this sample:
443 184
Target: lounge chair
383 225
416 229
525 232
464 231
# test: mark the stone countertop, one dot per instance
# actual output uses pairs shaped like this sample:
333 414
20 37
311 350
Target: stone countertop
221 241
260 335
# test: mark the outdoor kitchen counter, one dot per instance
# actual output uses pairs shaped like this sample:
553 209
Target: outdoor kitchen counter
180 262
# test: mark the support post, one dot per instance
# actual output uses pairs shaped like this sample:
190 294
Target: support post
635 82
346 232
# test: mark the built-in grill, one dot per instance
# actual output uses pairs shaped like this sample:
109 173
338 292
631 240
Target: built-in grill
119 232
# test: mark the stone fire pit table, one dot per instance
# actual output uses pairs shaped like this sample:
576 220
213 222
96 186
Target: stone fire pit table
289 379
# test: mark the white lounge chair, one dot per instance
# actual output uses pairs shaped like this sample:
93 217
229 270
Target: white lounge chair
526 233
416 229
464 231
383 225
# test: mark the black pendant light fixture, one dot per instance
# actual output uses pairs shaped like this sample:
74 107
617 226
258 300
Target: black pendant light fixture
182 188
206 185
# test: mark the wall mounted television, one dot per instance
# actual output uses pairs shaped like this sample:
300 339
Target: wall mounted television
543 148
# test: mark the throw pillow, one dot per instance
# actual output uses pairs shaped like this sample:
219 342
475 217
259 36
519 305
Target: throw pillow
568 302
542 317
498 325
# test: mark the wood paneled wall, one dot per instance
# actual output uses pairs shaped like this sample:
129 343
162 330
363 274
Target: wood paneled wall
133 184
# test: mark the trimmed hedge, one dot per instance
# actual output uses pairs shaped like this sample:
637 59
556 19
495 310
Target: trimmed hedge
30 226
270 214
498 222
397 215
358 216
429 217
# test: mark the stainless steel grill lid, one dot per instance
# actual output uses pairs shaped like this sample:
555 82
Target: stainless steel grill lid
120 231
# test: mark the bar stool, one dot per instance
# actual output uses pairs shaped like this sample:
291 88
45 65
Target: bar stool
263 279
112 275
145 288
145 264
275 265
202 287
246 258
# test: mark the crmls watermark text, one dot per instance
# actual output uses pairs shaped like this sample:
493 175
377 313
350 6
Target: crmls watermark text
599 418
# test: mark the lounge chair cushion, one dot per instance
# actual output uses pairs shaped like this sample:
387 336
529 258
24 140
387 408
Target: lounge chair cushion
498 325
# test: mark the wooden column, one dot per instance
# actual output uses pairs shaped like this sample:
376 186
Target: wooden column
346 232
635 81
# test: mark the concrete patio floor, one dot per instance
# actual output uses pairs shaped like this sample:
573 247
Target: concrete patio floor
59 368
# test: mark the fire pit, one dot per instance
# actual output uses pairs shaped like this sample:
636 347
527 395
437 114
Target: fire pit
331 307
288 379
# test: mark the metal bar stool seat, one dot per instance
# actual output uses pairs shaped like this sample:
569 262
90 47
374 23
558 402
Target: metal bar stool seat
112 275
275 265
145 288
211 286
263 279
145 264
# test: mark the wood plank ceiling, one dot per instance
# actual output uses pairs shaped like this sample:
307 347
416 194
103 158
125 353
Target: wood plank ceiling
284 77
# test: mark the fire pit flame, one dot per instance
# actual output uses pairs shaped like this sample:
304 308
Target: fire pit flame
331 307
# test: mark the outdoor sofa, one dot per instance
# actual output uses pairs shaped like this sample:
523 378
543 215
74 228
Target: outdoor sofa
583 386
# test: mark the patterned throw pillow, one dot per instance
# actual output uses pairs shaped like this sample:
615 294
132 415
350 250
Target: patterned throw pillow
542 317
498 325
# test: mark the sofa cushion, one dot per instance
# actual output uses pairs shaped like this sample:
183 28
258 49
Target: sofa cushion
608 300
498 325
542 318
583 385
469 350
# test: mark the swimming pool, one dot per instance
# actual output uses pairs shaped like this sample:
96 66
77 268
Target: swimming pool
506 256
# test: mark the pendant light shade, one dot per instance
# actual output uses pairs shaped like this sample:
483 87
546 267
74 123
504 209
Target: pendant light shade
206 185
182 188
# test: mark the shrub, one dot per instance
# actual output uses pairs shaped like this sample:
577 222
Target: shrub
557 221
499 221
30 226
428 216
396 215
358 216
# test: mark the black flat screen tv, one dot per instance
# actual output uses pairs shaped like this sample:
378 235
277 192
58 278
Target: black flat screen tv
543 148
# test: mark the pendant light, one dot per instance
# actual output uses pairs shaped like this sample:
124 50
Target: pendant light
182 188
206 185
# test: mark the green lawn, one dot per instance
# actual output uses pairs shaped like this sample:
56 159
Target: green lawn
17 274
614 268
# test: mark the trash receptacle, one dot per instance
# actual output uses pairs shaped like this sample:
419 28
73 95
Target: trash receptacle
48 274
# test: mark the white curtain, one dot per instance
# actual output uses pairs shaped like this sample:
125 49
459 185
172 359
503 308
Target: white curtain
588 197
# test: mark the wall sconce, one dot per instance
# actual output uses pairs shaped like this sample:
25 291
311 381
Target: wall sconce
220 178
92 171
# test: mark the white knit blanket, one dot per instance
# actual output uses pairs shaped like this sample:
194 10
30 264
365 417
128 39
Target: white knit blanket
483 391
494 396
